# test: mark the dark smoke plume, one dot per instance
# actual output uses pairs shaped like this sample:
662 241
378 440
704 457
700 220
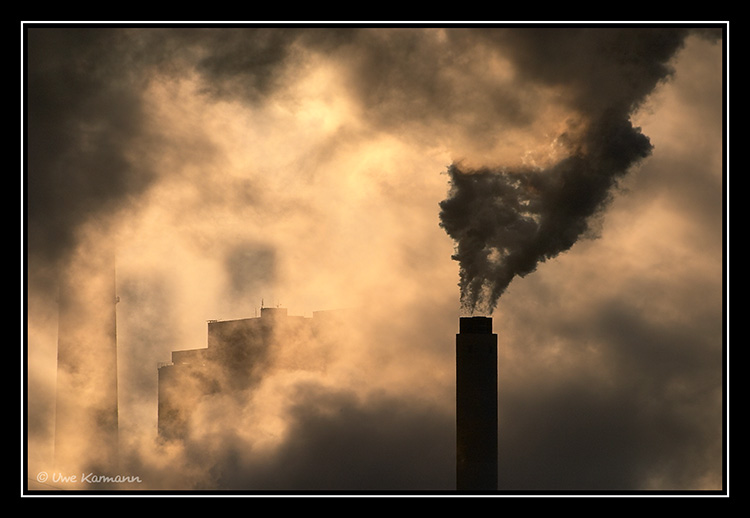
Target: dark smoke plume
83 108
506 221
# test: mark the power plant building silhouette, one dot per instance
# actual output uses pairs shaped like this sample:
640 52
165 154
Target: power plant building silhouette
235 358
476 405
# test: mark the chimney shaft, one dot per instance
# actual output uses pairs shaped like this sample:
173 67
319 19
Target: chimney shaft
476 405
86 410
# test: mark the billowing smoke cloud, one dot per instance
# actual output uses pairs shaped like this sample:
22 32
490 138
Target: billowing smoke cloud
84 112
302 165
505 221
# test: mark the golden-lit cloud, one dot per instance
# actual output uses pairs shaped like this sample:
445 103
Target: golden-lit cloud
304 169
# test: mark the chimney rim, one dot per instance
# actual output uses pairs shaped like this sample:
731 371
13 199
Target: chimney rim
475 325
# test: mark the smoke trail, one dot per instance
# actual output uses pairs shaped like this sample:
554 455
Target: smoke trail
506 221
84 109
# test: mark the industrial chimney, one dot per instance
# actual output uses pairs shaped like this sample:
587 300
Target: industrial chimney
86 421
476 405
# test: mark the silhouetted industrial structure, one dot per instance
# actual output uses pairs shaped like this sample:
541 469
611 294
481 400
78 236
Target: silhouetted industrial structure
234 361
86 412
476 405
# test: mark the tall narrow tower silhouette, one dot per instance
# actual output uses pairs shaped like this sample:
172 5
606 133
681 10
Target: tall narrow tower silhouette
476 405
86 420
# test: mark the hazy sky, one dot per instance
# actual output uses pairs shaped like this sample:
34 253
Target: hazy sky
305 167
